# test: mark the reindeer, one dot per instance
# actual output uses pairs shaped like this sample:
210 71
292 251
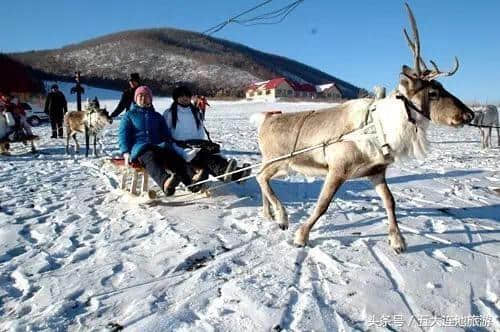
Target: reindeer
398 123
90 121
485 118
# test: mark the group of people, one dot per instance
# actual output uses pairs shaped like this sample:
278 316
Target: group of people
14 114
175 147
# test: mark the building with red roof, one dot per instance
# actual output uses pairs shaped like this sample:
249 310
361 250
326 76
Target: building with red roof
281 87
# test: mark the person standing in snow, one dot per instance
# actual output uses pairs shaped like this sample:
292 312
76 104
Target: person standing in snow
202 103
143 138
128 95
192 141
55 107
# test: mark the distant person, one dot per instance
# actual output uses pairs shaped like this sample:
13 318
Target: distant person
128 95
202 103
56 107
143 138
192 142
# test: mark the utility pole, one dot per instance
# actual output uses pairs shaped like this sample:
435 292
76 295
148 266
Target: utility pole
78 89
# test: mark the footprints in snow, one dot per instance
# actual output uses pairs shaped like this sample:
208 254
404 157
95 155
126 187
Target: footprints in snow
447 263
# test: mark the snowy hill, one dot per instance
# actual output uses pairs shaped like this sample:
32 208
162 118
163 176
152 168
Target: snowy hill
76 255
166 57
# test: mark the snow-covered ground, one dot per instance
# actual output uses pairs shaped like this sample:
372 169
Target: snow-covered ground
75 255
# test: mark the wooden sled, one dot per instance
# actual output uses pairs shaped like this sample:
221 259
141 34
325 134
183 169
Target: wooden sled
133 171
5 144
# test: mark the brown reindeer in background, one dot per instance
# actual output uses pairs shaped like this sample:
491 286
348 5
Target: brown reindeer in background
400 121
90 121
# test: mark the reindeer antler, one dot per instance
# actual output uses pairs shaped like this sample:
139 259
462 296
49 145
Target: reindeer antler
415 44
420 67
437 73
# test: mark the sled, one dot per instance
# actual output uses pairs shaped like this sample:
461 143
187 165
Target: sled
5 144
133 172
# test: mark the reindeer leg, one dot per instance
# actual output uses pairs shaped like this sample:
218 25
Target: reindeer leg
266 208
498 134
77 146
490 131
268 196
87 142
95 145
33 148
482 137
396 240
332 183
68 135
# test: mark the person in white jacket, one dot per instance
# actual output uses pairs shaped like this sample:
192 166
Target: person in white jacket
186 128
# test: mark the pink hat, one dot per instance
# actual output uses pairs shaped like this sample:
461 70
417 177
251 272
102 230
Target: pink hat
144 90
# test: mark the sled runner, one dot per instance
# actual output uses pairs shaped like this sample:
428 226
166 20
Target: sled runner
6 142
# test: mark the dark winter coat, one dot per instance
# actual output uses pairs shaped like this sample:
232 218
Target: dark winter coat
126 100
140 128
56 105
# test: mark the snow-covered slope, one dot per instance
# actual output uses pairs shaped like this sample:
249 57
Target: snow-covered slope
75 255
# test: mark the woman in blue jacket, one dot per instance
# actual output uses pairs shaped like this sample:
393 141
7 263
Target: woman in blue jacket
143 137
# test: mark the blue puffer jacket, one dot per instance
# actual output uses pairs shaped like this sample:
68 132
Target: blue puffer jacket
139 128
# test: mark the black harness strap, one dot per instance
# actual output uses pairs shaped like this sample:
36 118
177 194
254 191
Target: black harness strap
410 105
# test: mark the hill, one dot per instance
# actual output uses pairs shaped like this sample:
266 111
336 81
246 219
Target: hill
25 81
167 57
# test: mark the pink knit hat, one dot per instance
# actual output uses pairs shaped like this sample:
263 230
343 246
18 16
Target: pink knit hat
144 90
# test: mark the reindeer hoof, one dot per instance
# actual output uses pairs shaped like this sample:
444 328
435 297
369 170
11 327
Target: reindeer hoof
283 227
397 243
301 238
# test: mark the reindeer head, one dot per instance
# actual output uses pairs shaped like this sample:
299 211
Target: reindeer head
104 116
419 86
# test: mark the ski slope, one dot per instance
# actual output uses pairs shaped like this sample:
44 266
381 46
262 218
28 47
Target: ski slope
76 255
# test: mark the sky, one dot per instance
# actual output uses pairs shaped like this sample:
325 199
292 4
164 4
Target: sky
359 41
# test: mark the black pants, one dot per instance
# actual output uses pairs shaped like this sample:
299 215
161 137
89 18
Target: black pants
57 127
214 164
157 160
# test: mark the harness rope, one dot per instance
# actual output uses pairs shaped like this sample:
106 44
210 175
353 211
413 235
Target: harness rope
482 126
268 162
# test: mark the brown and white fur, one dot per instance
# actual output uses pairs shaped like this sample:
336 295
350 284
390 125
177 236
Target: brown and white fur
355 155
486 116
91 121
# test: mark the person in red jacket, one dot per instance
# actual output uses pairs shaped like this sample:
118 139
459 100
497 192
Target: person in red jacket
201 103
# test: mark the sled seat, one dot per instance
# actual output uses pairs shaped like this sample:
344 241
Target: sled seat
135 169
